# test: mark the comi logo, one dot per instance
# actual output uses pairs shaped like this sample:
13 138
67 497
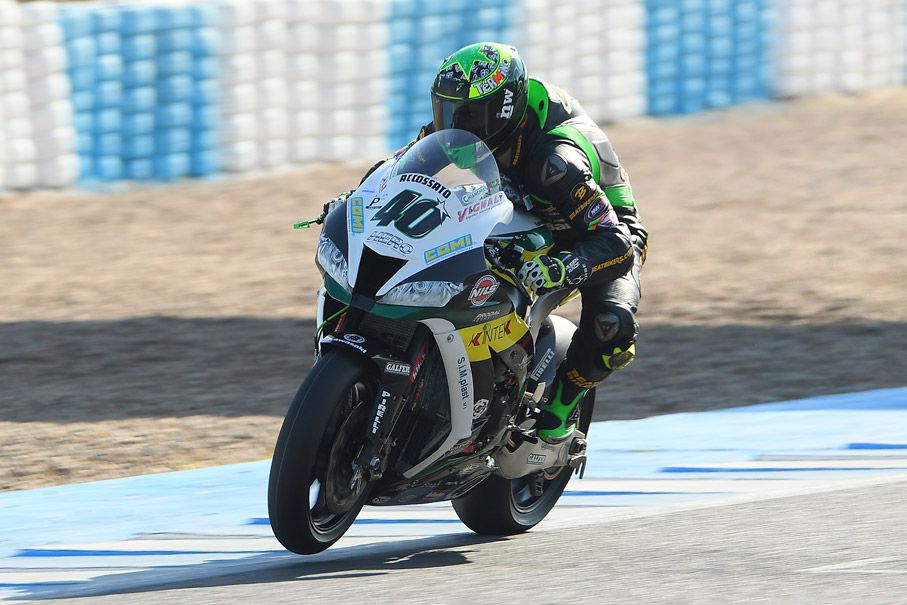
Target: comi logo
461 243
357 214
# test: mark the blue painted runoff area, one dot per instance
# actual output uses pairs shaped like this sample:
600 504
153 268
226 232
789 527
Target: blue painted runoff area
144 90
223 500
422 34
725 438
66 552
706 54
771 469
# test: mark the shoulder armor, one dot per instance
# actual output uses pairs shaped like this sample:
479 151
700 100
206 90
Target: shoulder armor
550 104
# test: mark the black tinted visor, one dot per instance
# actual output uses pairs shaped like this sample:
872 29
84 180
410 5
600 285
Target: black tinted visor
460 114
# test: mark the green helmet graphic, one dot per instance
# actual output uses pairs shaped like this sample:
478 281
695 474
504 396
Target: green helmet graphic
481 88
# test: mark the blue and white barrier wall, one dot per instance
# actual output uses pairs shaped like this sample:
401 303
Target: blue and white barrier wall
106 91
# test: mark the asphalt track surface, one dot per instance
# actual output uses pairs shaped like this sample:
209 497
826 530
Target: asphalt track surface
796 502
835 547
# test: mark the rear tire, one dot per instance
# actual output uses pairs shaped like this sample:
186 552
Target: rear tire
503 507
312 497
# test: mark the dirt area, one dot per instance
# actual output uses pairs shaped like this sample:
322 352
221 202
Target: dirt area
166 328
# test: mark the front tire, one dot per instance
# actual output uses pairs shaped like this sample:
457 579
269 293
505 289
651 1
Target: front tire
313 495
503 507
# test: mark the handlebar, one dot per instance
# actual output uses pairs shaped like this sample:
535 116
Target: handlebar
507 259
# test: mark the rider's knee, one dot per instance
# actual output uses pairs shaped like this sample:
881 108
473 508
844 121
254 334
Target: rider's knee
615 329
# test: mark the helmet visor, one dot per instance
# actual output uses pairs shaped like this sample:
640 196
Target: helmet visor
463 115
490 118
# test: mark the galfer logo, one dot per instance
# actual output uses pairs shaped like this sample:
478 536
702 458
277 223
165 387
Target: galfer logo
485 287
538 459
395 367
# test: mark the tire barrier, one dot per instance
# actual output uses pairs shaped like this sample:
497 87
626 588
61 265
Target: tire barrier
17 152
109 90
144 95
593 49
704 54
840 45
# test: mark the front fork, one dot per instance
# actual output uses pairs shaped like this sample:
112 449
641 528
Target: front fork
396 385
396 376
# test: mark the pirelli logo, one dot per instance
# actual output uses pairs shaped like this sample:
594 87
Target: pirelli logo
614 261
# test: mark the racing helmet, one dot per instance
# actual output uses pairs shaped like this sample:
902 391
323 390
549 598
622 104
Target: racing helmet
481 88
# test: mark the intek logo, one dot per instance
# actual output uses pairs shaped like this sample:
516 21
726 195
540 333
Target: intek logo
507 109
357 215
491 333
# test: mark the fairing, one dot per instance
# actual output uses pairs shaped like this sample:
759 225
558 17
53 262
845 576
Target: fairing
432 206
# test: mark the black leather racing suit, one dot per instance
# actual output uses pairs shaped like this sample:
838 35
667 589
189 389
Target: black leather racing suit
562 167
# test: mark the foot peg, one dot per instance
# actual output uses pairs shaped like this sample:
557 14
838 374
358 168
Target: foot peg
519 436
526 454
578 456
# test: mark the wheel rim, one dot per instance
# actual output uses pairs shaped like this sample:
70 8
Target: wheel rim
333 494
525 502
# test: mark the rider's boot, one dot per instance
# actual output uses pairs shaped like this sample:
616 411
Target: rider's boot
580 372
560 414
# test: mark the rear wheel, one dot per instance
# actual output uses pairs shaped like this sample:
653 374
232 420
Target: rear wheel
501 507
314 491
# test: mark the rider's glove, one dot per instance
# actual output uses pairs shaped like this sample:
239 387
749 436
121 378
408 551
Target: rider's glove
545 273
342 197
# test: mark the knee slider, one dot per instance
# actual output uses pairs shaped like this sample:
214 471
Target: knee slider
616 329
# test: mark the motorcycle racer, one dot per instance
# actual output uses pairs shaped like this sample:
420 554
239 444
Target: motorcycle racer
559 165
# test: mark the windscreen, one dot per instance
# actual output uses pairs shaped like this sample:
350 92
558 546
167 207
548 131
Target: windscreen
457 159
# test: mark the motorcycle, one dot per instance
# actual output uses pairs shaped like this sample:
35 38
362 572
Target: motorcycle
432 358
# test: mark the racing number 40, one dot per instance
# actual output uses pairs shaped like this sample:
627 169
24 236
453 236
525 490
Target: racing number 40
411 216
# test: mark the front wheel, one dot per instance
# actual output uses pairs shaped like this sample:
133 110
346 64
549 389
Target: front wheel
314 492
503 507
